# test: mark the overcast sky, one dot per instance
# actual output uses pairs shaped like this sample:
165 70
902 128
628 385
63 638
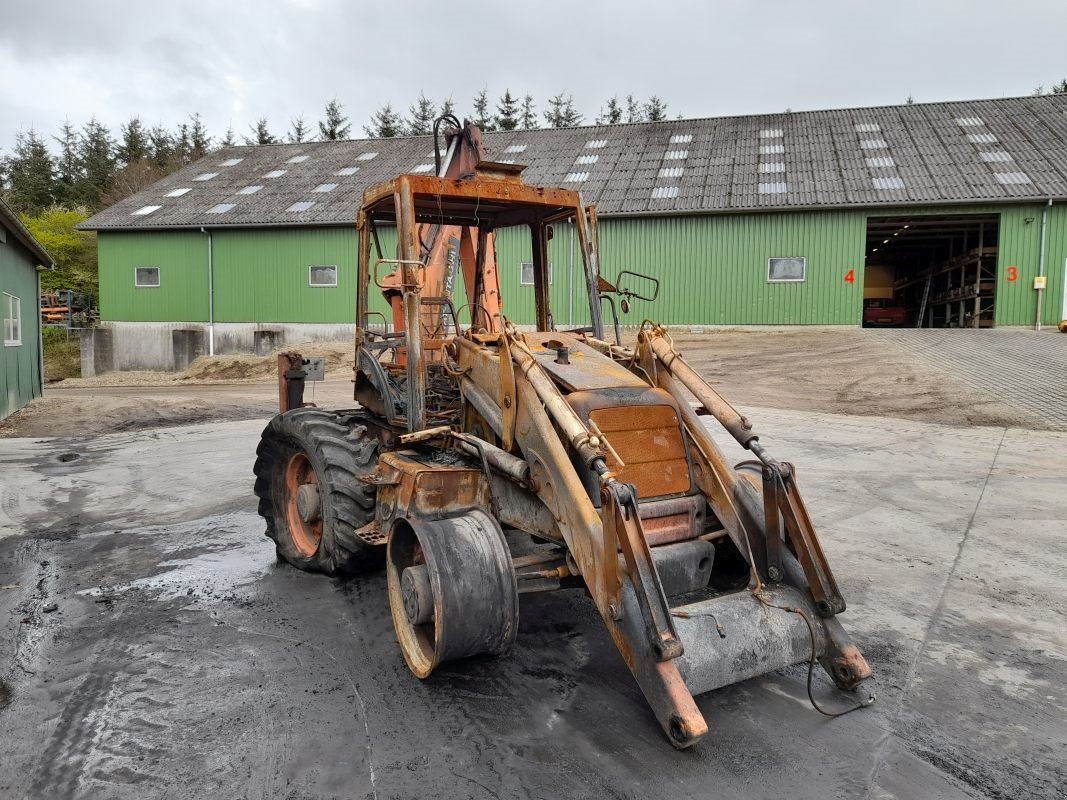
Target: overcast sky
236 60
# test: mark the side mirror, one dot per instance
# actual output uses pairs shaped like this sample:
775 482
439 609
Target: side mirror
630 284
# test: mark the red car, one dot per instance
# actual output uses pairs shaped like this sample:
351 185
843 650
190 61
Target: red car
883 312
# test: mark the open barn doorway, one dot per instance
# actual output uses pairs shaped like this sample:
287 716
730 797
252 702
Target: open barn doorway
931 271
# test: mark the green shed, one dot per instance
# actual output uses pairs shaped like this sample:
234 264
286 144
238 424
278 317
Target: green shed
21 259
927 215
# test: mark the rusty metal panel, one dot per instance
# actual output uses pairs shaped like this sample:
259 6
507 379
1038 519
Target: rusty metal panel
649 441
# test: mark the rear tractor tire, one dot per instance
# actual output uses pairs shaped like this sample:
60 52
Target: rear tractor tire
307 467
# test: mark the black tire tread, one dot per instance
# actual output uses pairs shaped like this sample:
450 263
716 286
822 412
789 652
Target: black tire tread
341 451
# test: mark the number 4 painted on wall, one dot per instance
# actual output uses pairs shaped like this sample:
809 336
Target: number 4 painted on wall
850 276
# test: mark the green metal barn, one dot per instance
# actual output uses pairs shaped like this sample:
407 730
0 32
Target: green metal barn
21 368
953 213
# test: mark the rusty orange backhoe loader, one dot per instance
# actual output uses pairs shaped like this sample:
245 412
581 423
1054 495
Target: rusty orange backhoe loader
484 462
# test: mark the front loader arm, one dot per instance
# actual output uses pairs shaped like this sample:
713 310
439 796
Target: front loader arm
626 591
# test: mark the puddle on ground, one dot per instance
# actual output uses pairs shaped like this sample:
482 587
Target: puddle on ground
206 559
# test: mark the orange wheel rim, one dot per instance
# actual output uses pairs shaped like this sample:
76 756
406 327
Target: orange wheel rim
305 535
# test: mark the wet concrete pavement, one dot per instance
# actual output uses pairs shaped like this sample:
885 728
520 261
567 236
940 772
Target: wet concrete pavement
182 661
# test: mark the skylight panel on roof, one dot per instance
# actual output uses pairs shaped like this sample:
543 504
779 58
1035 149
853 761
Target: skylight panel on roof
366 156
671 172
297 159
423 168
681 138
772 188
275 173
303 205
221 208
995 155
772 166
888 183
178 192
205 176
981 138
867 127
325 187
576 177
586 159
515 148
665 192
1012 177
145 211
873 144
771 149
230 162
593 144
881 162
348 171
250 190
675 155
771 133
969 122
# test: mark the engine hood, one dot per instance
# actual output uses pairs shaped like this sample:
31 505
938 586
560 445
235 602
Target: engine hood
588 369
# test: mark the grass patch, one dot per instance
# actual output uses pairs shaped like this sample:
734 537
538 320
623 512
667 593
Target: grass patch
62 356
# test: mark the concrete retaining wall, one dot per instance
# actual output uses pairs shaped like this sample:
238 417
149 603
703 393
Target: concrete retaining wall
172 346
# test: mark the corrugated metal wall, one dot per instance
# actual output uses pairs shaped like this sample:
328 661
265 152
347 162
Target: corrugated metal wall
264 276
183 287
713 269
1020 247
20 373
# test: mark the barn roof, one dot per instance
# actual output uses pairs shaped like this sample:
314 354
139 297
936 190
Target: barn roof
959 152
10 220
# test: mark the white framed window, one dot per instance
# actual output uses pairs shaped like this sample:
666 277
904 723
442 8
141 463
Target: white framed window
526 274
12 307
793 269
146 277
324 275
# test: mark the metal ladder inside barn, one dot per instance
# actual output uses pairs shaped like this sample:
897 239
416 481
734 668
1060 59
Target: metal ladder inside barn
926 298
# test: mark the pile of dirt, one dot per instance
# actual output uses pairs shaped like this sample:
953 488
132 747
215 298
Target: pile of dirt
228 368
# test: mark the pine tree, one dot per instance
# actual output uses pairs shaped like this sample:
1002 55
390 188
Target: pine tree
385 123
422 114
230 139
134 145
612 115
634 112
182 147
1059 88
562 113
261 133
96 155
528 115
336 125
68 168
481 111
655 109
199 141
161 144
507 112
554 115
447 107
298 131
30 174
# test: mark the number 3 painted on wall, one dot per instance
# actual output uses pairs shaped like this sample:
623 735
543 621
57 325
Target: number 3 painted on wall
1013 274
850 276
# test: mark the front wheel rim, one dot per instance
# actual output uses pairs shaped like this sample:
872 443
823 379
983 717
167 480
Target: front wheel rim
305 535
